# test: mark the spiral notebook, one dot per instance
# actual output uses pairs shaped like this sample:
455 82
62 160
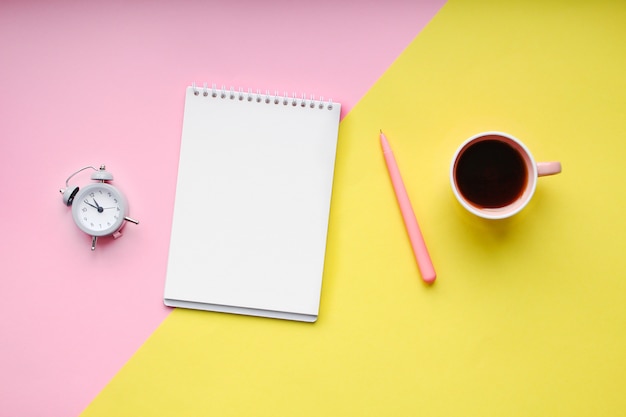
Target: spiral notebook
252 203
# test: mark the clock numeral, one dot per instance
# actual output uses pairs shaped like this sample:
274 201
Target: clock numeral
109 194
92 195
84 209
85 218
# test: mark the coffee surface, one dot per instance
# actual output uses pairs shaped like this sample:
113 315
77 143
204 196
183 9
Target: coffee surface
491 174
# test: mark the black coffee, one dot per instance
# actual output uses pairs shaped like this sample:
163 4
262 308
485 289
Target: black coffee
491 174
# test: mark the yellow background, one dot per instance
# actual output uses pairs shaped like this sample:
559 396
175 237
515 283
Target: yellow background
528 315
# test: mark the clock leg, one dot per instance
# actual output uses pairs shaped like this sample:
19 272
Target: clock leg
93 242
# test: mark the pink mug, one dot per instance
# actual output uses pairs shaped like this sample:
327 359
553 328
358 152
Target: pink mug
494 175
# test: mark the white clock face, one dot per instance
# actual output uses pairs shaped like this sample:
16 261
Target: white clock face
99 209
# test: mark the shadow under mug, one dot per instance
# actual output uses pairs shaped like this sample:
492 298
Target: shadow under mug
494 175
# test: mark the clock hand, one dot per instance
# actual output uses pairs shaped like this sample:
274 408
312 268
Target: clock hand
87 202
100 209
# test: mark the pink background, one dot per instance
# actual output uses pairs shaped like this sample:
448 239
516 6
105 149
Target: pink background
86 83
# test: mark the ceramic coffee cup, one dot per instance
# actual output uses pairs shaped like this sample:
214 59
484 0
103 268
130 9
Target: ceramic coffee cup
494 175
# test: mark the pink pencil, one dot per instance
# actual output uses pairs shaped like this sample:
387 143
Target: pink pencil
425 265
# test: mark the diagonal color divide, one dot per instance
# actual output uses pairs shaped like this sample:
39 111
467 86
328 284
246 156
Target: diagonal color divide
526 316
103 83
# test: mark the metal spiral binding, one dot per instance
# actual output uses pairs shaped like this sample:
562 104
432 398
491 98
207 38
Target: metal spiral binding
259 97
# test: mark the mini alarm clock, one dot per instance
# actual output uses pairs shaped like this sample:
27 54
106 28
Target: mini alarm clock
98 209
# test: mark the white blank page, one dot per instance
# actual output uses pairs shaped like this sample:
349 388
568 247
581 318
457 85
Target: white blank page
252 205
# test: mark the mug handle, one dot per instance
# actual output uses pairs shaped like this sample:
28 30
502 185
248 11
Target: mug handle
548 168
